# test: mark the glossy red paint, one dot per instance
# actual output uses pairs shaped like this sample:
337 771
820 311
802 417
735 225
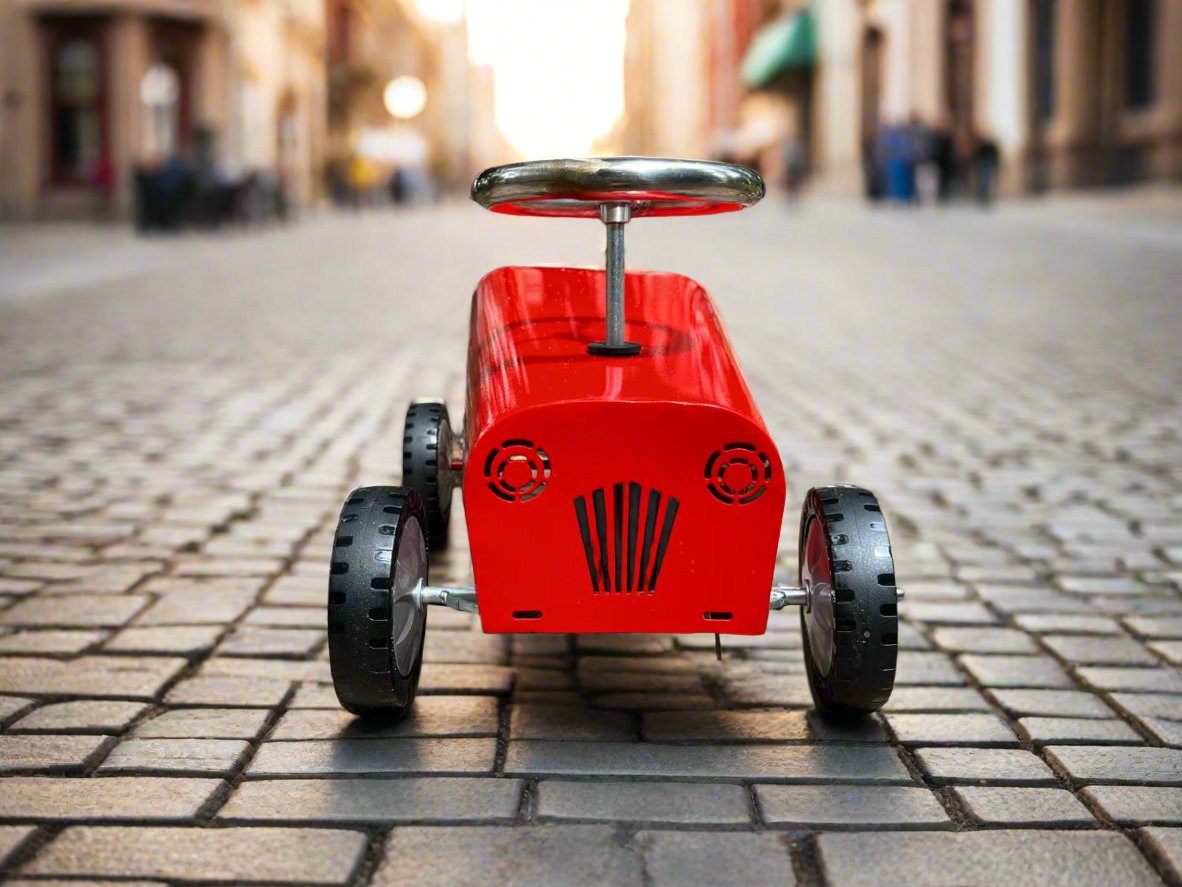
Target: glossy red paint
614 494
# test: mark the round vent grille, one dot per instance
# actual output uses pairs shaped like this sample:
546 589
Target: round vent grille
517 470
738 473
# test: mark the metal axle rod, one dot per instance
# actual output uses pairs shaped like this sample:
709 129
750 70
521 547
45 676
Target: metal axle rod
464 597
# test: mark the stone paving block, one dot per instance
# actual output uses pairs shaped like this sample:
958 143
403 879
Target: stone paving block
1167 627
1035 807
205 723
11 839
103 677
1081 731
769 690
75 611
1066 623
1105 585
555 677
726 726
87 716
984 640
1171 651
1099 651
999 858
1118 766
1017 671
934 669
650 682
655 701
224 855
1137 804
64 642
936 699
832 807
315 671
827 729
1166 845
374 801
293 642
13 707
430 716
951 729
447 678
947 612
354 757
1149 705
229 691
984 766
1052 703
1166 732
569 722
198 605
533 856
181 640
51 754
649 803
184 757
700 859
627 644
771 763
466 648
70 799
1149 680
288 617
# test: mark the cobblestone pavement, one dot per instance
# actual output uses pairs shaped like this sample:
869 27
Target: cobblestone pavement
176 436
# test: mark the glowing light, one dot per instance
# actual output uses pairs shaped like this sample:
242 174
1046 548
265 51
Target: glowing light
405 97
558 70
442 12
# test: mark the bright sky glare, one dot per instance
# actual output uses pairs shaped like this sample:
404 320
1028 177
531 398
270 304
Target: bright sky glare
558 70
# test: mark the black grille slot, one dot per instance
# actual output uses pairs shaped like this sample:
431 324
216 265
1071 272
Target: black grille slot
608 565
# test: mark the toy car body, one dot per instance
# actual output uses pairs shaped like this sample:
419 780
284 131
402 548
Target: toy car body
641 494
617 484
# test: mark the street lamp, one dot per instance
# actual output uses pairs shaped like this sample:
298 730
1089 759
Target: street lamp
405 97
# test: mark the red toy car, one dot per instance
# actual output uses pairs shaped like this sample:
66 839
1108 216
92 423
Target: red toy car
617 475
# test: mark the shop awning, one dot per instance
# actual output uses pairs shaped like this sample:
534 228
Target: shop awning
787 43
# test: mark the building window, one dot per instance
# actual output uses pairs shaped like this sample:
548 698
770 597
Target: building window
1044 59
76 103
1140 52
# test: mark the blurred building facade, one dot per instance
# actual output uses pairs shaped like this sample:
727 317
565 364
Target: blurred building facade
372 42
1073 92
93 89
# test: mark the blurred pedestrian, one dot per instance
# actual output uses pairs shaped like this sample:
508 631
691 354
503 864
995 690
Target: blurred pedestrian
900 164
873 166
795 168
986 162
944 159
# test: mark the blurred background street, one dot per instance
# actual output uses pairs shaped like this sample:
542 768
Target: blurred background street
234 244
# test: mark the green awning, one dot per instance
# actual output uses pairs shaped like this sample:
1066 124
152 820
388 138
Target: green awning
787 43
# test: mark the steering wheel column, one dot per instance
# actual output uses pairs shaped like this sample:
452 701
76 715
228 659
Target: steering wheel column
615 190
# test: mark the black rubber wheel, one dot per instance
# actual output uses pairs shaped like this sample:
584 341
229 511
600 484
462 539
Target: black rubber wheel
376 624
426 465
851 628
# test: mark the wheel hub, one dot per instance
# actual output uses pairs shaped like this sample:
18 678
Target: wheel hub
409 613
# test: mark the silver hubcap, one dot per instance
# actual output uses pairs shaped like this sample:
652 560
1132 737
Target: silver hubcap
821 625
409 614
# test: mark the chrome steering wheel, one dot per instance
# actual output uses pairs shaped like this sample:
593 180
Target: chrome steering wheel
616 190
647 186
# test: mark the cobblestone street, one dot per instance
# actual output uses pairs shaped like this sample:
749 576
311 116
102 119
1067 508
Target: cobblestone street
180 421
